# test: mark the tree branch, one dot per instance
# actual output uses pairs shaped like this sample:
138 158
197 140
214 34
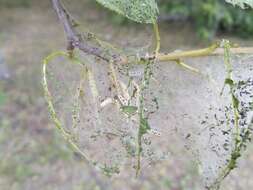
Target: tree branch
77 40
209 51
185 54
74 39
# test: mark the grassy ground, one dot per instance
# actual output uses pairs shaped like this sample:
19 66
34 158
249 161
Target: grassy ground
32 154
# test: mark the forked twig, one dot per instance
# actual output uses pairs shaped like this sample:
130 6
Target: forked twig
75 40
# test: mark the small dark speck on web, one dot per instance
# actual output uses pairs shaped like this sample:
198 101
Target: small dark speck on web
225 132
203 122
188 136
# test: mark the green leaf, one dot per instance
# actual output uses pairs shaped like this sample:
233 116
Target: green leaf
144 126
142 11
235 102
129 110
242 3
251 105
2 98
229 82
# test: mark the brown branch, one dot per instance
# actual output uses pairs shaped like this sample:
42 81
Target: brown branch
75 39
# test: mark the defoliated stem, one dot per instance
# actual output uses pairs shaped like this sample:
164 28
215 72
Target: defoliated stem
50 104
188 67
184 54
157 37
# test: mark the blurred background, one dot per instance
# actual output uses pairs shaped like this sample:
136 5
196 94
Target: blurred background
32 154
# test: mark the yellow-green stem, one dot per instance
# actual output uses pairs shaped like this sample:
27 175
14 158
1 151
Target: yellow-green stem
157 37
182 64
52 111
185 54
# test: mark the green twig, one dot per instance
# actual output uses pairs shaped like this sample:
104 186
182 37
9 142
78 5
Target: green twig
186 54
182 64
157 37
235 105
49 98
143 121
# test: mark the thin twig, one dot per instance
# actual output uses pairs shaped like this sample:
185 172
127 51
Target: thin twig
157 37
75 39
185 54
213 50
239 50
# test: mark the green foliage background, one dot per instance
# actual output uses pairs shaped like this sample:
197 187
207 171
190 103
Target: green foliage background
207 16
210 16
14 3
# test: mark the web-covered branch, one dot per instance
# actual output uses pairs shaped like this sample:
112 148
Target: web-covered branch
74 38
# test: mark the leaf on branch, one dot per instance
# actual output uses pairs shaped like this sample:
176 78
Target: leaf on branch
229 81
129 110
242 3
144 126
142 11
